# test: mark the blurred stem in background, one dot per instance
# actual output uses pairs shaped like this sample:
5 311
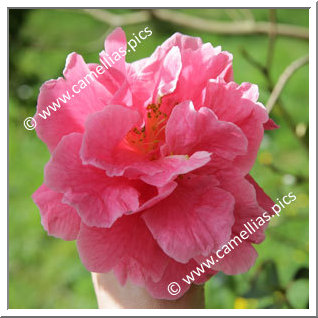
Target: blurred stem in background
248 26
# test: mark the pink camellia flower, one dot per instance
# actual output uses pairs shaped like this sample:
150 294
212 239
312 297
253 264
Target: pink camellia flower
150 163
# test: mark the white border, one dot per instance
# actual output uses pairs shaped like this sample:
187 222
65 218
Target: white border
174 312
312 158
163 3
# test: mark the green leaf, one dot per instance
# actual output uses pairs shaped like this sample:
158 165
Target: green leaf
298 293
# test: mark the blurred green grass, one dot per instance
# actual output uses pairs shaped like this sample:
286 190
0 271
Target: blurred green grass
46 272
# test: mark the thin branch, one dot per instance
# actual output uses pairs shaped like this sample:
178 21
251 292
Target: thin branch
221 27
279 104
116 20
249 58
286 75
185 20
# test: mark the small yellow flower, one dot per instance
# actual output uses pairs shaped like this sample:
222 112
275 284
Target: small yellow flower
244 303
240 303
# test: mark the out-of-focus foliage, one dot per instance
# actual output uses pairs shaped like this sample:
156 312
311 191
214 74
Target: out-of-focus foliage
46 272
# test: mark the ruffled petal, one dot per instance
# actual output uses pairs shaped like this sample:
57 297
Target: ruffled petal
127 248
164 170
231 103
58 219
262 198
247 207
233 261
211 63
169 73
103 139
99 200
195 219
175 273
143 75
65 118
115 50
151 78
189 130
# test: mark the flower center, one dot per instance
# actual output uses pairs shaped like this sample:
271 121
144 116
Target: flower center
146 139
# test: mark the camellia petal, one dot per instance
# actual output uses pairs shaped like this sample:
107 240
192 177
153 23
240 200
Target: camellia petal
56 118
127 248
189 130
58 219
195 219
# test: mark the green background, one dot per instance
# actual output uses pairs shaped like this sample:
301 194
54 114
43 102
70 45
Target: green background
46 272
